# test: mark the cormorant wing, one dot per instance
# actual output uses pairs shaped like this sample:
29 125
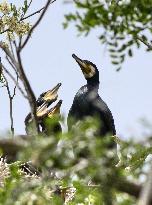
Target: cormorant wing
102 110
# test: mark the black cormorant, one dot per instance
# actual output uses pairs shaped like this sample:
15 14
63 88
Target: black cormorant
87 101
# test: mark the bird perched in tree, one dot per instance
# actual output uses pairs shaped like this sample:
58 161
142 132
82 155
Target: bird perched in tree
43 102
48 96
87 101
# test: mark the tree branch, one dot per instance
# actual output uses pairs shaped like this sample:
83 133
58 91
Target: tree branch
128 187
16 63
30 93
36 12
10 147
11 97
22 75
14 80
36 24
7 58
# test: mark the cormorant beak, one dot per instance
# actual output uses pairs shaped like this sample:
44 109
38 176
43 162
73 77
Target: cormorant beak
55 110
51 95
42 110
85 67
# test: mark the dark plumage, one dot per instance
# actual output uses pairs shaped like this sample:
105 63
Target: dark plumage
87 101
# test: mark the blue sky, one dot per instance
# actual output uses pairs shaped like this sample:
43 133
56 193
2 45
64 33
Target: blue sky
47 61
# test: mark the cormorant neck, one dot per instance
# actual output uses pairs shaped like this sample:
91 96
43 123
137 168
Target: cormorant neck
92 85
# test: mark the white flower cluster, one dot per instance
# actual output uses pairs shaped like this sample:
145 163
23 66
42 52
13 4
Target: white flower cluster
12 23
5 7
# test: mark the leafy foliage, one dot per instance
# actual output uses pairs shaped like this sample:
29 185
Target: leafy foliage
75 167
123 24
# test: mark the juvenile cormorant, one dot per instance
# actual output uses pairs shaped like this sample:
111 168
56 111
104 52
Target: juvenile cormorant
43 102
49 96
48 119
87 101
41 111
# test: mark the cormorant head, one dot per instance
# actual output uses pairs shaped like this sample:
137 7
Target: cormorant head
89 69
49 96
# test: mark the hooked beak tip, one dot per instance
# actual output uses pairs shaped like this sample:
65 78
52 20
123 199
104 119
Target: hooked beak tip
73 55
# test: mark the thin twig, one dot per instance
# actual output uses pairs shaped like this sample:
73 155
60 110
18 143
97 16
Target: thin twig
144 42
22 16
11 97
36 12
4 31
14 90
36 24
30 3
11 64
14 80
30 93
11 46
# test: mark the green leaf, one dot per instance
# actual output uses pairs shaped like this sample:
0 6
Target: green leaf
115 62
130 53
25 8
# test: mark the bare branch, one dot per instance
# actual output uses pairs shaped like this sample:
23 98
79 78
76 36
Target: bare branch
11 64
17 65
14 90
30 93
14 80
36 12
36 24
23 77
11 97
